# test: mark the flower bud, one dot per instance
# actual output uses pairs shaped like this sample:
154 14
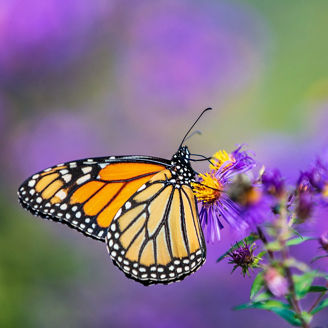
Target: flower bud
323 240
273 183
243 257
304 205
276 282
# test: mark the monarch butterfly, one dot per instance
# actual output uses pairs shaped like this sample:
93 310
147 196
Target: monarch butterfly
143 207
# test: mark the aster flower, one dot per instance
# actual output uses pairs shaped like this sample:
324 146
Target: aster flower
303 197
316 179
215 205
237 161
255 206
243 257
273 183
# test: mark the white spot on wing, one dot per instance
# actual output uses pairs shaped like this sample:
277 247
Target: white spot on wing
83 179
117 214
86 169
31 183
67 177
64 171
61 194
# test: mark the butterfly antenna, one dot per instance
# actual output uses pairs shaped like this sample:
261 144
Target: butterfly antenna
192 134
201 114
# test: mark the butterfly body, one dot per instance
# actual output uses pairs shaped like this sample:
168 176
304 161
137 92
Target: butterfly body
143 207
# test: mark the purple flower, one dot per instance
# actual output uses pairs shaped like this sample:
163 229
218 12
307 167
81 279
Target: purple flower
211 189
304 207
255 207
303 198
315 180
318 175
227 165
273 183
243 257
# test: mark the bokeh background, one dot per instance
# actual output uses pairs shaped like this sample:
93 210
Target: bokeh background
82 78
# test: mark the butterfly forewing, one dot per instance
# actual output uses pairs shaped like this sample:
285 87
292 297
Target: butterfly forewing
156 236
86 194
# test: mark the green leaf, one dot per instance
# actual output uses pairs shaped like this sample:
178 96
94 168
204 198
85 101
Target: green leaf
273 246
317 289
288 315
275 306
303 283
298 240
249 240
321 305
261 254
257 285
266 305
318 258
292 262
262 297
295 231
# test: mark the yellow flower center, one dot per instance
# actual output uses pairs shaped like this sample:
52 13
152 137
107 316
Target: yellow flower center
325 191
208 190
220 158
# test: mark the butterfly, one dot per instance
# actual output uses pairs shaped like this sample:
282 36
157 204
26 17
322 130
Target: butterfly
143 207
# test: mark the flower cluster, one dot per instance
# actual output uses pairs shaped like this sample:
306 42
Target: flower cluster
229 193
312 188
263 204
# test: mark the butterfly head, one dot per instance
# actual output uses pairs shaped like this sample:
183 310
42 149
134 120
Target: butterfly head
182 156
181 167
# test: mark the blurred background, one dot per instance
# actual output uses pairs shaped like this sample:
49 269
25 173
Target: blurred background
82 78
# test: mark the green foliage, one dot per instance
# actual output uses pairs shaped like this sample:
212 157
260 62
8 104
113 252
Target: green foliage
278 307
274 246
303 283
318 258
262 296
257 285
317 289
299 240
323 304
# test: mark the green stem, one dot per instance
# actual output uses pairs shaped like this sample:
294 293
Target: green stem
282 237
264 241
317 301
294 301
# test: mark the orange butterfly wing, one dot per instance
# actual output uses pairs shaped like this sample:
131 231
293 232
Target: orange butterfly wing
156 236
86 194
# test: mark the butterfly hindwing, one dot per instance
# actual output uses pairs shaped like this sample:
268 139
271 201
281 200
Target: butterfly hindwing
156 236
86 194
